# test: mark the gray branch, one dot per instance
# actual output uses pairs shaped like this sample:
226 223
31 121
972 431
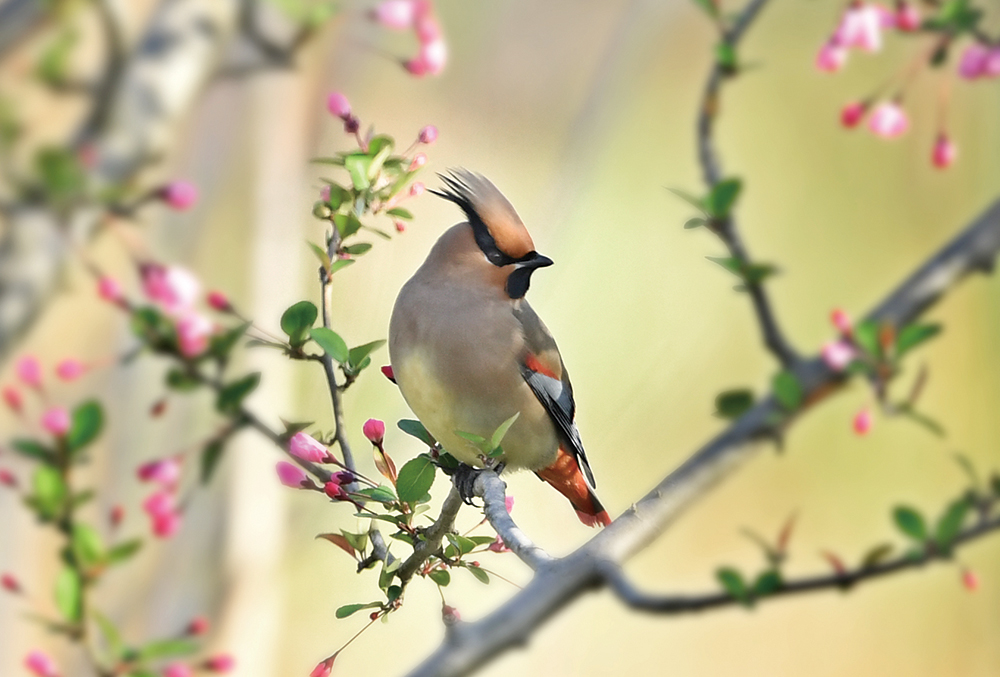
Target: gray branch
492 490
560 582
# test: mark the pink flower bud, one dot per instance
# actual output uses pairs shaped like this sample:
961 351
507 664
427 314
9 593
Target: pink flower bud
395 14
970 581
41 665
7 478
165 525
417 189
972 63
109 289
338 105
344 477
193 332
219 301
305 447
450 615
291 475
841 321
10 583
160 503
419 160
434 56
863 422
70 369
944 153
56 421
837 355
991 64
177 669
861 27
853 113
335 491
427 28
12 398
498 546
400 226
428 135
222 662
374 430
416 67
324 193
116 515
179 195
29 370
388 373
323 669
831 57
508 503
197 626
888 120
907 16
163 471
173 288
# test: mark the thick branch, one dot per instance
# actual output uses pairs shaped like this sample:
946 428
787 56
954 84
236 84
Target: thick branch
561 581
492 490
677 604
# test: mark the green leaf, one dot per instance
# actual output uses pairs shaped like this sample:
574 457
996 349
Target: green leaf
87 545
695 222
348 609
50 490
477 440
61 174
732 404
499 433
357 166
755 273
68 594
181 380
232 394
416 429
168 648
787 390
331 343
924 420
865 335
340 264
876 555
415 479
697 203
480 575
297 320
357 249
357 355
381 493
88 419
732 583
347 224
54 61
210 457
440 576
399 212
910 522
112 637
767 583
950 524
708 7
912 335
33 449
722 198
357 541
222 344
725 56
732 264
124 551
321 254
464 544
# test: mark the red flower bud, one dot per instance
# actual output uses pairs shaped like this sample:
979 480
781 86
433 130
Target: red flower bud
428 135
197 626
221 663
863 422
374 430
10 584
12 398
338 105
179 195
218 300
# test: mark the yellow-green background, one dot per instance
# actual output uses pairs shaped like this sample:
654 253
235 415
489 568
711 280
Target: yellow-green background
582 113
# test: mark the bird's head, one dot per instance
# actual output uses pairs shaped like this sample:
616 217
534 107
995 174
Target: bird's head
498 230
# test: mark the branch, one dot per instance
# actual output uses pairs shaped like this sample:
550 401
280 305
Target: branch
561 581
634 598
492 490
432 537
726 227
18 20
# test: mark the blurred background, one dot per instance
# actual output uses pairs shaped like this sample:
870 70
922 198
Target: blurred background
582 112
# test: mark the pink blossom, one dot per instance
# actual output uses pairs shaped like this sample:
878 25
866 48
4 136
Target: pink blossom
863 422
166 524
304 446
972 64
374 430
193 332
427 28
324 193
853 113
179 195
450 615
841 321
291 475
498 546
417 189
323 669
970 581
886 17
419 160
395 14
163 471
338 105
7 478
109 289
860 27
222 662
888 120
991 64
173 288
432 58
70 369
831 57
907 16
219 301
400 226
944 153
428 135
41 665
160 503
197 626
10 583
177 669
12 398
837 355
29 370
56 420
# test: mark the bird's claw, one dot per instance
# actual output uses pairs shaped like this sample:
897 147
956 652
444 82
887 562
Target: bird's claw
464 479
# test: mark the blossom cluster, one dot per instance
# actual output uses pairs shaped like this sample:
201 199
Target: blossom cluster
418 16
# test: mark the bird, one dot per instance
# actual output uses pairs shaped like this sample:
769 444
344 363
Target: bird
469 353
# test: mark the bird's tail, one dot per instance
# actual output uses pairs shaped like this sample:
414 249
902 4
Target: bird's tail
567 479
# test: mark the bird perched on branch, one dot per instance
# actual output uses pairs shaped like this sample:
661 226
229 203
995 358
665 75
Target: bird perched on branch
469 353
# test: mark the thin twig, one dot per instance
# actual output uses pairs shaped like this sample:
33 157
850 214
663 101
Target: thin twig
432 537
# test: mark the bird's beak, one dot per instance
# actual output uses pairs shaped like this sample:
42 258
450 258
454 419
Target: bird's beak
536 261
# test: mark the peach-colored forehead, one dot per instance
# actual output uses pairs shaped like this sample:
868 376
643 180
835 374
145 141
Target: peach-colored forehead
505 226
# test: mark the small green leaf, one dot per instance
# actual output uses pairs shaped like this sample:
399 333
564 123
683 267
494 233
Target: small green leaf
924 420
181 380
50 490
111 635
787 390
357 355
697 203
876 555
357 166
68 594
321 254
912 335
416 429
865 335
357 249
339 264
767 583
732 583
348 609
167 648
358 541
499 433
87 545
222 344
124 551
910 522
722 198
231 396
440 576
725 56
480 575
732 264
415 479
381 493
210 457
399 212
708 7
88 419
732 404
347 224
695 222
331 343
298 320
33 449
755 273
950 524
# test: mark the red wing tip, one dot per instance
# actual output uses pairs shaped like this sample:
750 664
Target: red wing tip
601 518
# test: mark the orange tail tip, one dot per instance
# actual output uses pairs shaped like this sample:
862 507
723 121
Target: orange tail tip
565 476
